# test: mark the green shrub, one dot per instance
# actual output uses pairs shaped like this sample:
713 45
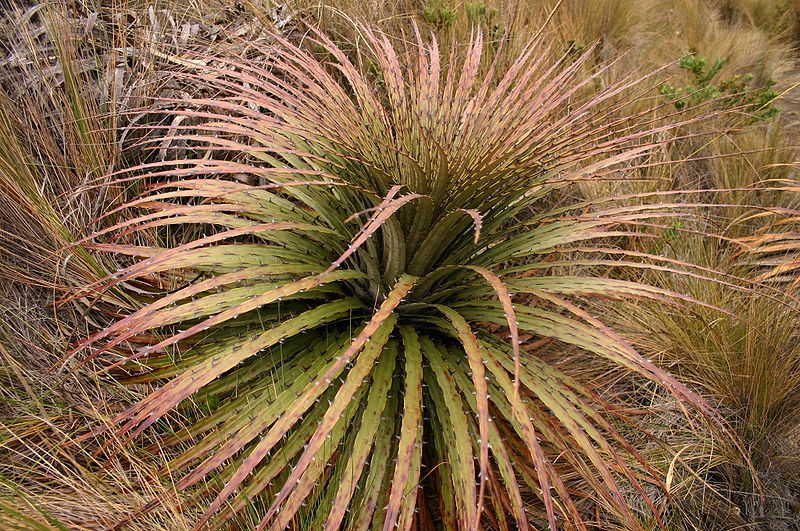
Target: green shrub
336 318
438 14
480 15
734 91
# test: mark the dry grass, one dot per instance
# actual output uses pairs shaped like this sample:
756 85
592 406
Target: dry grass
750 366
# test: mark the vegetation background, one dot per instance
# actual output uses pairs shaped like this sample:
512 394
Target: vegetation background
80 82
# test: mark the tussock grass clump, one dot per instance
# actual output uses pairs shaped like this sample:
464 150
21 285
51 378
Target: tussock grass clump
749 367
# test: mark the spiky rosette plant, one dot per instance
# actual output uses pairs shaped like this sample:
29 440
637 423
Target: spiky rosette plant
351 245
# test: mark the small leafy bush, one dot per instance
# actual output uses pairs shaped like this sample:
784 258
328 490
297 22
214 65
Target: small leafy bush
736 91
438 14
478 11
355 248
484 17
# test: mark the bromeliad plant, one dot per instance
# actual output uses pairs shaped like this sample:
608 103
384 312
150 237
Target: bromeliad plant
335 319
